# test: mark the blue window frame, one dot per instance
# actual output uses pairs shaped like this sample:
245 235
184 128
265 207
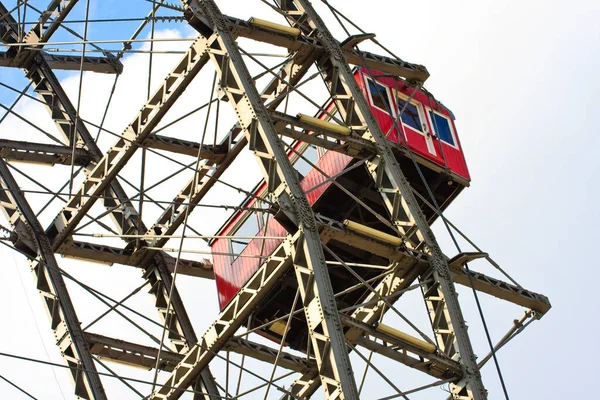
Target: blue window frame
410 116
379 96
441 126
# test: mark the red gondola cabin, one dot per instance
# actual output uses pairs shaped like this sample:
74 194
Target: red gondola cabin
424 133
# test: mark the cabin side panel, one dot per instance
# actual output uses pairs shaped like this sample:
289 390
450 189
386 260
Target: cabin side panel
226 287
455 157
315 183
232 272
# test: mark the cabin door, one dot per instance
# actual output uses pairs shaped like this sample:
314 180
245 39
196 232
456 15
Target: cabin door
416 129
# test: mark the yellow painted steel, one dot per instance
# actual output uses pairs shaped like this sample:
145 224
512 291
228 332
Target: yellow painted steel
278 327
372 233
126 363
405 337
272 26
328 126
88 260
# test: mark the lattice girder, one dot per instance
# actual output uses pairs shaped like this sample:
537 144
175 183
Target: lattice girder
157 274
52 289
236 82
227 323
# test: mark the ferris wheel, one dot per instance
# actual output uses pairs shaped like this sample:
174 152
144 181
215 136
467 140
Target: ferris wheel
259 228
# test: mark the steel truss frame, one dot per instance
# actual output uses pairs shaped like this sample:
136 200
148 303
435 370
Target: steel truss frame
50 283
333 333
156 273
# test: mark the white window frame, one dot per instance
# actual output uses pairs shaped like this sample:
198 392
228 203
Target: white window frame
387 91
425 128
450 124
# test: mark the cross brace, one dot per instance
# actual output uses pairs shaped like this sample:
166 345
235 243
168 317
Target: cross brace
42 153
402 274
50 283
307 44
62 111
121 351
228 322
105 65
108 166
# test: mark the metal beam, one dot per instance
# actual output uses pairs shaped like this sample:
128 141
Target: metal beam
37 35
228 322
132 354
269 355
41 153
400 355
496 287
136 355
105 65
123 214
107 168
214 154
307 44
431 363
103 254
51 286
392 253
49 21
484 283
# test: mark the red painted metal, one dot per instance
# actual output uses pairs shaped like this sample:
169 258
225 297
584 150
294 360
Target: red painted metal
444 154
233 271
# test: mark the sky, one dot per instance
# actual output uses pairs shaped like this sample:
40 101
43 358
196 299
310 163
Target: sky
521 80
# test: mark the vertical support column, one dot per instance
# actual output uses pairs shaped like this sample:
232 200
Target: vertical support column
228 322
392 181
326 331
181 332
442 320
51 285
445 337
306 385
